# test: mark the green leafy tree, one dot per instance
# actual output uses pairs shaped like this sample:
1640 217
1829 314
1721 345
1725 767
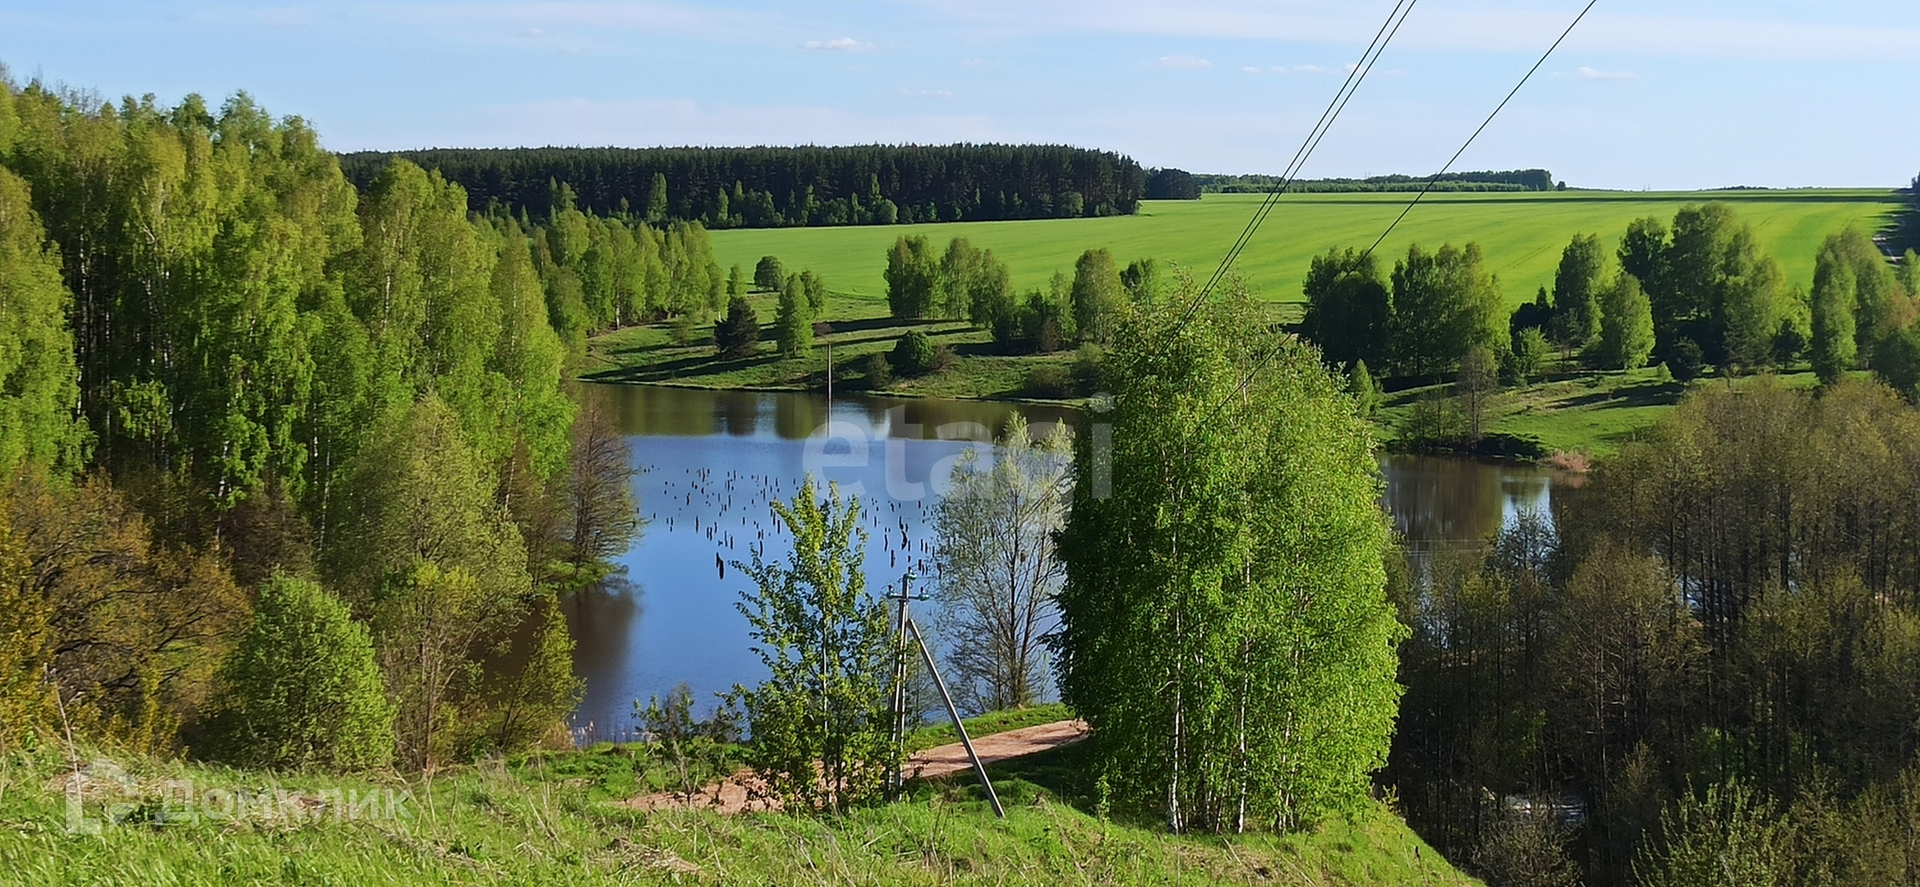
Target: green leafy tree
1752 302
1834 334
998 568
1530 354
1643 254
816 290
1224 626
1098 297
1476 387
1349 311
913 278
1142 281
769 275
422 549
1882 304
657 200
737 334
793 325
1896 361
820 721
1727 836
38 430
26 648
735 286
1577 285
301 689
1444 305
1365 391
1626 326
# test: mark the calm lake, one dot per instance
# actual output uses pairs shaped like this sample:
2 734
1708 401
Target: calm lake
711 462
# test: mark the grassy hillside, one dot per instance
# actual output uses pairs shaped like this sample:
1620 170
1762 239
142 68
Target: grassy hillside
549 820
1522 234
1592 413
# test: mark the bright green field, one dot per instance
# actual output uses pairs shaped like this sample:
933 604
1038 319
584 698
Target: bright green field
1522 234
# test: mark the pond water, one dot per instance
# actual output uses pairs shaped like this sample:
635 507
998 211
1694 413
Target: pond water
712 461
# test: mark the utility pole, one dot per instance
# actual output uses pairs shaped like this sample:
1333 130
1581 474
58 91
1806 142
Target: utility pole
905 627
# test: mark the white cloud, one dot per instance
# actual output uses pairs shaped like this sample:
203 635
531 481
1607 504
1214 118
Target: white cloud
1252 69
1309 69
927 93
1182 61
974 63
1586 73
840 44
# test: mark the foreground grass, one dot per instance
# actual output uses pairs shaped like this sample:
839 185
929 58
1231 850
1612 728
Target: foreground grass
1522 234
536 822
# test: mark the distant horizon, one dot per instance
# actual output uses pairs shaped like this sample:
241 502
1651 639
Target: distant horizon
1643 95
1571 186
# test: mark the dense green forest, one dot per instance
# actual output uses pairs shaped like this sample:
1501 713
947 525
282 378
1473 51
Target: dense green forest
1512 180
292 473
1703 670
770 187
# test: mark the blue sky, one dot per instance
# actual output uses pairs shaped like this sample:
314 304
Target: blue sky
1676 94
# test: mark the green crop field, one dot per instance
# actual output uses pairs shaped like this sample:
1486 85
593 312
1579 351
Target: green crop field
1522 234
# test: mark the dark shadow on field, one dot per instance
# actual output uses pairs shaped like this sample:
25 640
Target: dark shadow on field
696 364
1645 394
876 323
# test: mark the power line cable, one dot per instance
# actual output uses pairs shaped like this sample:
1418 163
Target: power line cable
1275 351
1355 76
1483 125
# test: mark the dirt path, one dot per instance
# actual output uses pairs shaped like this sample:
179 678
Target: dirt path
732 795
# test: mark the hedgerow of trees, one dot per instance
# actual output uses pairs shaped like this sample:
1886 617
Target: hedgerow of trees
770 187
233 380
1694 293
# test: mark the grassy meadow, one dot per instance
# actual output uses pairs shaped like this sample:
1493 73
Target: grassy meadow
552 818
1521 233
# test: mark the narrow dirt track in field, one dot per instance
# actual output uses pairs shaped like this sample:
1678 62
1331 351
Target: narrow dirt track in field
733 794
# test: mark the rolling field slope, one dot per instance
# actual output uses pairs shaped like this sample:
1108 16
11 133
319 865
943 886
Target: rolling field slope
1522 234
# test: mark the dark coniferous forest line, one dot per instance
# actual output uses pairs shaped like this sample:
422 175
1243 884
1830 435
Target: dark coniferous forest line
770 187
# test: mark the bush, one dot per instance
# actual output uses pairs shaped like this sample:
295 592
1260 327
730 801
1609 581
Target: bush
879 372
1089 365
1684 361
915 354
301 688
1050 380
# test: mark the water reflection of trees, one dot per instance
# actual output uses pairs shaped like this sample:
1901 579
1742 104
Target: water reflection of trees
1440 502
602 620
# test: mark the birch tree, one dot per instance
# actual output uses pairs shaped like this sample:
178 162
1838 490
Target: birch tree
998 570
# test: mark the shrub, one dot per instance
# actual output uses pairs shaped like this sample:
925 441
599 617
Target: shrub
1684 361
1050 380
1089 364
879 372
915 354
301 688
